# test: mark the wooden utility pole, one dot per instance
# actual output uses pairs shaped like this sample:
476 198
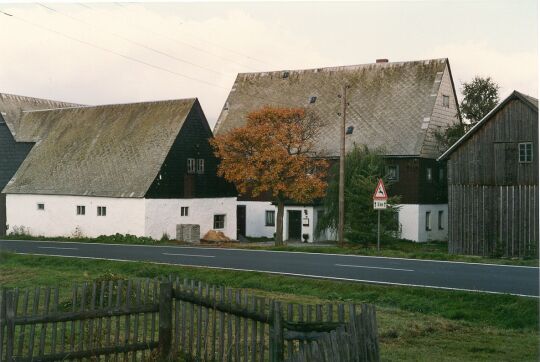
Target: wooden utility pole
341 224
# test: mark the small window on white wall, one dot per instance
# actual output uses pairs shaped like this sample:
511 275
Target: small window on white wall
219 221
270 218
101 211
428 220
81 210
184 211
441 214
41 207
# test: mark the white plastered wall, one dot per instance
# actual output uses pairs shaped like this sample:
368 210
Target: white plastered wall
412 218
162 215
256 218
307 213
124 216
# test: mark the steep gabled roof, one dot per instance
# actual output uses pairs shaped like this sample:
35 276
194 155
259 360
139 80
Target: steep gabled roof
12 107
530 101
390 104
112 150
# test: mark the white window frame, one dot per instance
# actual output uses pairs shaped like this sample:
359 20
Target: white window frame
428 220
270 212
200 165
396 178
184 210
191 168
524 145
102 211
440 219
81 210
224 221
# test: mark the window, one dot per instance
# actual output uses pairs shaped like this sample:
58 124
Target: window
440 220
428 220
441 174
81 210
200 165
429 174
446 101
101 211
184 211
312 99
270 218
219 221
525 152
41 207
392 172
191 165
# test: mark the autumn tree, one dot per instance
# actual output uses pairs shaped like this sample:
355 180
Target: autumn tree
274 154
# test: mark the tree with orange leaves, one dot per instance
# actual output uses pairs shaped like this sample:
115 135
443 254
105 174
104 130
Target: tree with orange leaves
274 153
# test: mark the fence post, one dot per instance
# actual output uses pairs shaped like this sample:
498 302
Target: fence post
165 320
277 349
10 325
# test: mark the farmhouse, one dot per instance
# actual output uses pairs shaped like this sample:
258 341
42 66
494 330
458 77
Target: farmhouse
493 182
394 106
139 169
12 153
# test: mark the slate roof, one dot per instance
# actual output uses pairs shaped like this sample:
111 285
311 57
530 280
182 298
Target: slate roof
388 102
12 107
531 101
111 150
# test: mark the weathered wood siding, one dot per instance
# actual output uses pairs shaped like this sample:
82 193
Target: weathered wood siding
493 199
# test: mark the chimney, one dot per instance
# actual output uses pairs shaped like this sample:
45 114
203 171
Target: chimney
381 61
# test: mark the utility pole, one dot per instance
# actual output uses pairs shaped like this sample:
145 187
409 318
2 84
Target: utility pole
341 224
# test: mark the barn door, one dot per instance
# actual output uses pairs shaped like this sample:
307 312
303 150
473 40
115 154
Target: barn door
506 162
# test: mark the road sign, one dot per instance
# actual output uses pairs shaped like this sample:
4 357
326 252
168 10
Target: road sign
380 192
379 204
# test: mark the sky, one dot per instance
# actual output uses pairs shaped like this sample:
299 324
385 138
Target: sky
103 53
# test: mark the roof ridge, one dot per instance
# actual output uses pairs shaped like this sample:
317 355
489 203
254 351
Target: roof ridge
111 105
346 67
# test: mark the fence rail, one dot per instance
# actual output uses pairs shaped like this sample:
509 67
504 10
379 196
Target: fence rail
155 319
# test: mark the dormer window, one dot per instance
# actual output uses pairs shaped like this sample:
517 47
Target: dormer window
285 74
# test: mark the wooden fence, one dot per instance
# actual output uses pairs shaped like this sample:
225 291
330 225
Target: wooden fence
141 320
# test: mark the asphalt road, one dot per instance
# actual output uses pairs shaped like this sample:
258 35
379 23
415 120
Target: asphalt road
395 271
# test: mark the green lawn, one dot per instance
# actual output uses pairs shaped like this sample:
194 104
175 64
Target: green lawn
414 323
389 248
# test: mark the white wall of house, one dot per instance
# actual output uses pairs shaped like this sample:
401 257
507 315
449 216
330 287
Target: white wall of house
59 218
256 218
412 218
307 216
162 215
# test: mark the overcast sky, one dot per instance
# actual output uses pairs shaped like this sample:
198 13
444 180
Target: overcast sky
118 52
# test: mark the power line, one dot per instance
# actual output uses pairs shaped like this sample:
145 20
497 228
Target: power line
176 40
114 52
132 41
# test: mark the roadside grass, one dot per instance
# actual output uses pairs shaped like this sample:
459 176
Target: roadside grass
436 250
414 323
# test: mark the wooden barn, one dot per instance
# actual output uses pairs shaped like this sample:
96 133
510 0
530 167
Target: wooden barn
493 183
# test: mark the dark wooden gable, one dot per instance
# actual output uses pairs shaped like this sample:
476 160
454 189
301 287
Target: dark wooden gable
491 155
174 181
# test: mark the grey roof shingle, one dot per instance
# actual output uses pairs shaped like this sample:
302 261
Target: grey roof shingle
111 150
388 102
12 107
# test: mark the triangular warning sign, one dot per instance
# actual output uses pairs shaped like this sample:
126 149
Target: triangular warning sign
380 191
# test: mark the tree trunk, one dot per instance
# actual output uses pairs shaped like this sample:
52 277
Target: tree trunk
279 225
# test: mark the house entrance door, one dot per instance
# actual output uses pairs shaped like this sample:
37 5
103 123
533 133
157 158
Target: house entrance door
295 224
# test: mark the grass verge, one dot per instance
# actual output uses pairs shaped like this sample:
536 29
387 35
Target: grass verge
414 323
